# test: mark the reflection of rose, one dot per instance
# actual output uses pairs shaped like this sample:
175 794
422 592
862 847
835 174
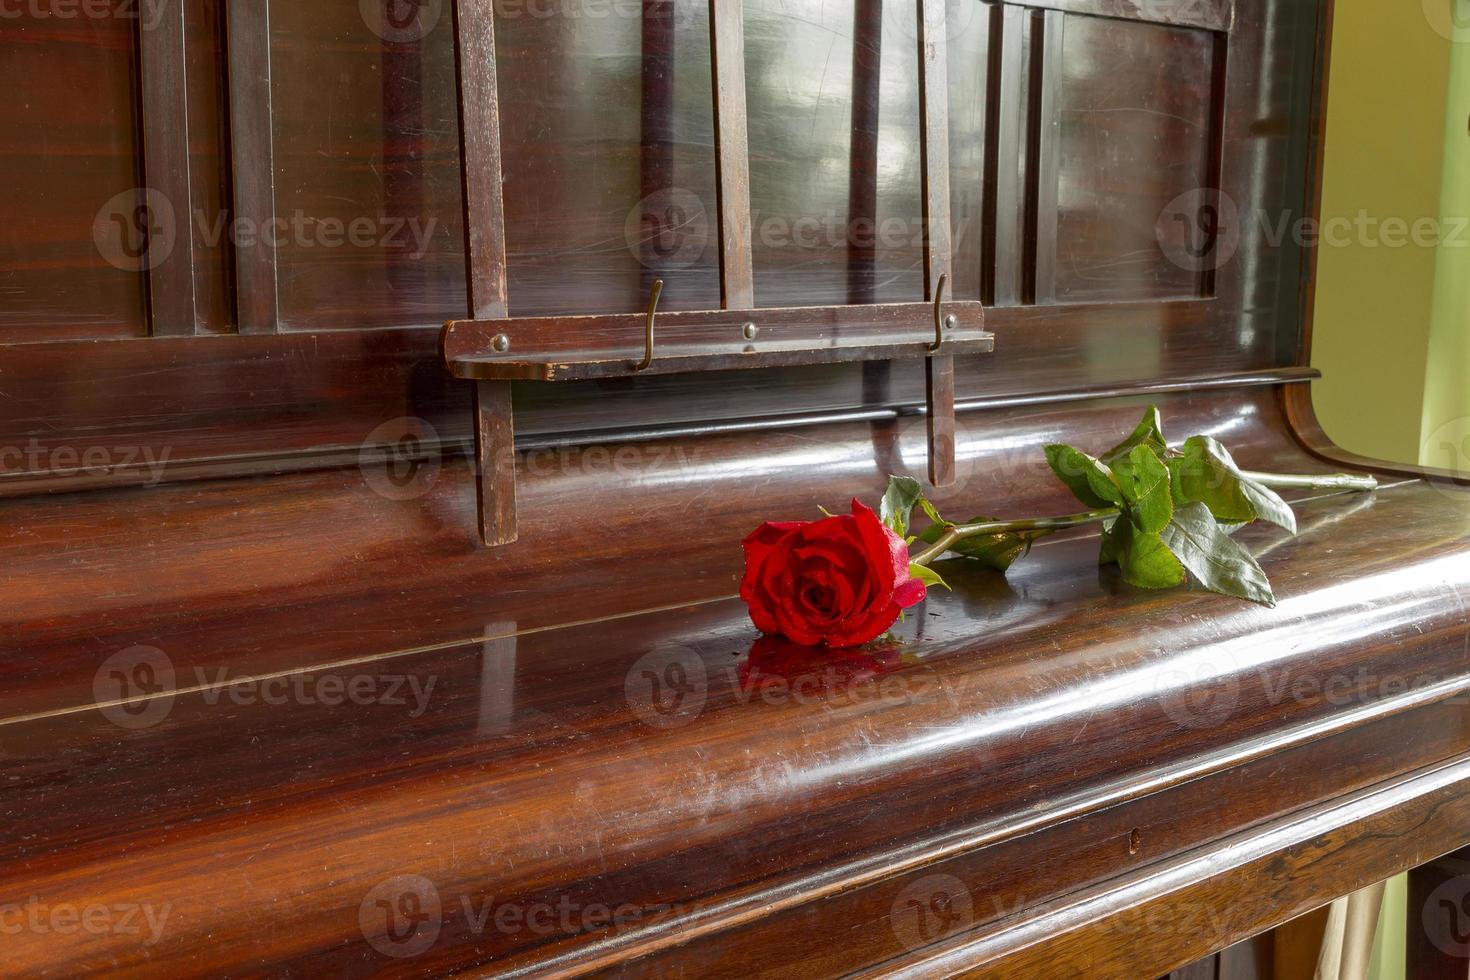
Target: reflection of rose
776 660
841 581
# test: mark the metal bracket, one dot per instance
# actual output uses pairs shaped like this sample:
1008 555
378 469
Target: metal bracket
496 352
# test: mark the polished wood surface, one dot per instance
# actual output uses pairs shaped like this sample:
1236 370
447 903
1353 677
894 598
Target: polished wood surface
268 697
1053 727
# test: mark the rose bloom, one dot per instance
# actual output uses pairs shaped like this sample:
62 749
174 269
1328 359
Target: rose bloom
841 581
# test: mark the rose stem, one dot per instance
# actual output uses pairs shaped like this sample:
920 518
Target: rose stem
961 531
1337 481
957 533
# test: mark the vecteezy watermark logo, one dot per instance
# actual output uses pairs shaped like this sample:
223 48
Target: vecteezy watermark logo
400 458
136 231
329 690
1201 693
401 917
401 21
931 909
1446 917
41 918
668 229
149 13
1199 230
667 687
70 460
1448 447
135 687
1449 19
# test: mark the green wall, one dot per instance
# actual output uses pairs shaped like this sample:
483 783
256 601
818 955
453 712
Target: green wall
1375 289
1446 429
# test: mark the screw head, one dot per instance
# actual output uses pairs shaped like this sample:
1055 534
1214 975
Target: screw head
750 331
501 343
951 321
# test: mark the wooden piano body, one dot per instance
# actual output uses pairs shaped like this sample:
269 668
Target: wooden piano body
274 707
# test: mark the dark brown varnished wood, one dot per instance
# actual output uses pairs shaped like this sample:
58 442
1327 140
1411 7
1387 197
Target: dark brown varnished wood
75 231
732 153
485 246
1435 923
1006 803
1042 775
252 140
173 307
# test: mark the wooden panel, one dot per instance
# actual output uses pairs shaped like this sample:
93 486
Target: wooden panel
807 62
220 401
273 401
370 208
1134 104
969 41
74 221
252 142
1046 51
593 215
173 307
207 78
1010 85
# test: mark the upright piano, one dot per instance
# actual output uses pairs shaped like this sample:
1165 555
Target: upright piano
341 642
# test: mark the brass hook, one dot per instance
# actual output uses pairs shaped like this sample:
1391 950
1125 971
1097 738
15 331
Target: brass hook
658 288
938 315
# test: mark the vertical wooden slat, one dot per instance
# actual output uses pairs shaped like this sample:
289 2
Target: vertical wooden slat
495 447
732 153
172 299
1215 161
1004 124
253 144
862 201
485 256
862 168
938 251
1043 158
479 128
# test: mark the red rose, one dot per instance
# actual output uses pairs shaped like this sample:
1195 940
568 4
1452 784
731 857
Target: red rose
841 581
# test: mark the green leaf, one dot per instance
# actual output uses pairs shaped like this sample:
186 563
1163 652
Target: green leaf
1219 563
928 576
1145 559
1149 432
1206 472
931 511
1145 482
898 503
998 551
1088 478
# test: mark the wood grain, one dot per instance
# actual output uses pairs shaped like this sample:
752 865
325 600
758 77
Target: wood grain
485 245
252 140
732 159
